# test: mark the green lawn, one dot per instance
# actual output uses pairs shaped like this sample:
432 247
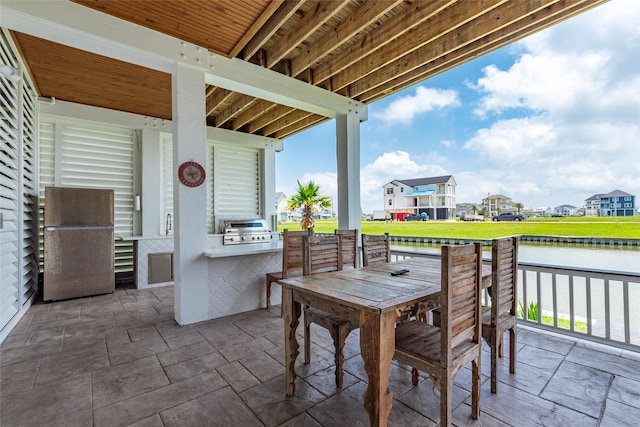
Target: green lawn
628 227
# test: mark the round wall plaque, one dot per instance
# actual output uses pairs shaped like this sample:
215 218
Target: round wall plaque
191 174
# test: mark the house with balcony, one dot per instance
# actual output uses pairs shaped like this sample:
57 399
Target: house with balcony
493 204
566 210
615 203
434 196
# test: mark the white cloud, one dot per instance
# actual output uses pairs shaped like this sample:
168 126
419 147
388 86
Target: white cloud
448 143
404 109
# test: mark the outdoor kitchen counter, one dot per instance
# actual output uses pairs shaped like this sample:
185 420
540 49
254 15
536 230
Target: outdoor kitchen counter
245 249
237 276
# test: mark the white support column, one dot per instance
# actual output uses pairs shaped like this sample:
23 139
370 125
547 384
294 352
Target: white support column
348 155
190 224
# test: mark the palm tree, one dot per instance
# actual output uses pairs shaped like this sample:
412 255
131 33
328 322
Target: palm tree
518 206
309 199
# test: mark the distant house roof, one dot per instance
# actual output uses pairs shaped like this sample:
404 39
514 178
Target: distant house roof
566 207
426 181
616 193
496 196
595 197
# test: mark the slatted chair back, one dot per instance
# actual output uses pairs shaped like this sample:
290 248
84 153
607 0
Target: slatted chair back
349 247
375 249
442 351
322 253
292 252
501 316
504 278
461 314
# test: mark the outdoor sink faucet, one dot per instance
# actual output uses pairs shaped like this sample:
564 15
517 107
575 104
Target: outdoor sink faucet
168 224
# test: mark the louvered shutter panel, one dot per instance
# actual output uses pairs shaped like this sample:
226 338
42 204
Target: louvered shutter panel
237 180
11 191
93 155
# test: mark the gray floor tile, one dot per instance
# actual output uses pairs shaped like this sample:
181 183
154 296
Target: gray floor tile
195 366
238 377
66 403
126 380
142 406
578 387
221 408
136 350
625 391
121 359
617 414
183 354
65 365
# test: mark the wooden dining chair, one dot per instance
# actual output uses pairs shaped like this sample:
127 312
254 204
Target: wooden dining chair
349 244
292 263
442 352
501 315
323 253
375 249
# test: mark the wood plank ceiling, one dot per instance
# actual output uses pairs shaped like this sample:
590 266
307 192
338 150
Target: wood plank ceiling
361 49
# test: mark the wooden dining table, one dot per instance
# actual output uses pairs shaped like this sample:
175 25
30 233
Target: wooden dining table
376 300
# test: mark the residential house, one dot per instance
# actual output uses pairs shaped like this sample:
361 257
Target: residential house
496 203
435 196
592 205
467 208
566 210
282 207
543 211
616 203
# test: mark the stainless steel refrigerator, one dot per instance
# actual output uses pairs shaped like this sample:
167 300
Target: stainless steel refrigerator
79 248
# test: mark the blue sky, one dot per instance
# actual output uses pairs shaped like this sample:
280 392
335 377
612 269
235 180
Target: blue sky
549 120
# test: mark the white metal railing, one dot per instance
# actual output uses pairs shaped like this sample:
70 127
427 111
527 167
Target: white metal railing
597 305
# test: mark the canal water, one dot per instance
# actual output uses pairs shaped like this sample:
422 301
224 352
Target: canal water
592 257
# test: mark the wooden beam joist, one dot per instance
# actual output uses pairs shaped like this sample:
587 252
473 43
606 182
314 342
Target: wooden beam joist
256 26
311 22
366 15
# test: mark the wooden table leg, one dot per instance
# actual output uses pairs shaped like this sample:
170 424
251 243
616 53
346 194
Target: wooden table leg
291 311
377 345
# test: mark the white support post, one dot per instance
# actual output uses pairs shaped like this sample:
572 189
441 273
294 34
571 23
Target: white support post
191 277
348 159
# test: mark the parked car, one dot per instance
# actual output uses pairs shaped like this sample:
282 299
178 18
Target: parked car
508 216
416 217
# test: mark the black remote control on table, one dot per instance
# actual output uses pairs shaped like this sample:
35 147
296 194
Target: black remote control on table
399 272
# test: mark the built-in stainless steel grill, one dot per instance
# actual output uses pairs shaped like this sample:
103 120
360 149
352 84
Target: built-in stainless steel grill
246 231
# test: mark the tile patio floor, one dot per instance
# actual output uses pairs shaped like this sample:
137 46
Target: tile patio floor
121 359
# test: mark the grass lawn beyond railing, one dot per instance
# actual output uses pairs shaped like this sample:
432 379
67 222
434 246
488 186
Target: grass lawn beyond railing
619 228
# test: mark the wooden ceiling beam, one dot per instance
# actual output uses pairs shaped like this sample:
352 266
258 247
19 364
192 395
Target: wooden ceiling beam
287 120
270 117
450 22
271 8
366 15
281 16
393 28
252 113
215 97
534 23
310 23
238 105
310 121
